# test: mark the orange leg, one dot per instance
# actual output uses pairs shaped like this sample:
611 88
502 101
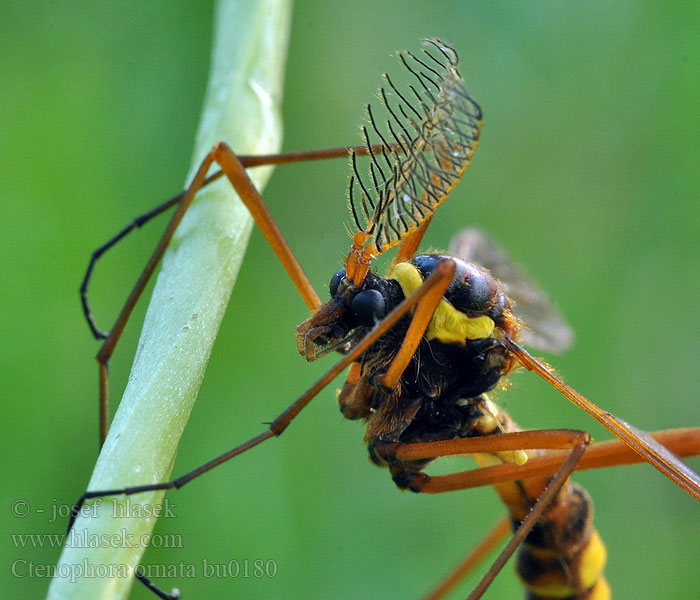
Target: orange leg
576 441
234 168
247 161
683 442
442 272
639 441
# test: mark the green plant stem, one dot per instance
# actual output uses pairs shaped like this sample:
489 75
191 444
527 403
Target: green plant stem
188 303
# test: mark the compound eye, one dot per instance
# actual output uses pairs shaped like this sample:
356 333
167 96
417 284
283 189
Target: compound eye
368 307
335 281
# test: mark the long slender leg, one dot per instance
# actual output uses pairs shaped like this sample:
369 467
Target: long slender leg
234 168
247 161
115 333
526 526
611 453
442 273
576 441
639 441
542 439
136 223
684 442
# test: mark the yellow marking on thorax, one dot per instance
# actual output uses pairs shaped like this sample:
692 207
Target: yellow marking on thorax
448 325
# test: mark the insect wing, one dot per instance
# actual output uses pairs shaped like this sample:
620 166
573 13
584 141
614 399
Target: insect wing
428 133
544 327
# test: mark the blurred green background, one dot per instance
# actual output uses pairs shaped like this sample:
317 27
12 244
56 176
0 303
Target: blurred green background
587 173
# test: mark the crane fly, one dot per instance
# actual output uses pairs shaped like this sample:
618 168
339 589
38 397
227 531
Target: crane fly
425 344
